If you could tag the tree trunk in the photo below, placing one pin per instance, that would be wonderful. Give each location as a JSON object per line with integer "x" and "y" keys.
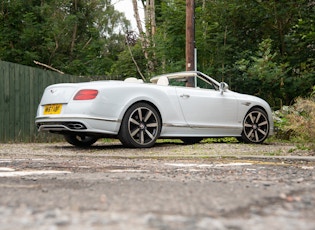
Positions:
{"x": 137, "y": 17}
{"x": 151, "y": 17}
{"x": 140, "y": 29}
{"x": 150, "y": 31}
{"x": 146, "y": 37}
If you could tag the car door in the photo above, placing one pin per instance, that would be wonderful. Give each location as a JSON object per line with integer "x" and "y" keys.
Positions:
{"x": 209, "y": 110}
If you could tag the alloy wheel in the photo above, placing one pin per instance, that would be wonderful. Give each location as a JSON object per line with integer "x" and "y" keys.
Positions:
{"x": 256, "y": 126}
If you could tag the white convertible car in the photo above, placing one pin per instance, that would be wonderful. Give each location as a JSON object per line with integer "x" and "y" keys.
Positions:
{"x": 186, "y": 105}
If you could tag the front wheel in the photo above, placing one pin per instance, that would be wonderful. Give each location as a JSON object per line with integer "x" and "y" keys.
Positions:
{"x": 80, "y": 140}
{"x": 255, "y": 126}
{"x": 140, "y": 127}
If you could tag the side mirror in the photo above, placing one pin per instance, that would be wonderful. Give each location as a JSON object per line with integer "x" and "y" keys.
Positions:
{"x": 223, "y": 87}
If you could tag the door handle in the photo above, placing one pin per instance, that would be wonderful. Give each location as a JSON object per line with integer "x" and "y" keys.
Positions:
{"x": 185, "y": 96}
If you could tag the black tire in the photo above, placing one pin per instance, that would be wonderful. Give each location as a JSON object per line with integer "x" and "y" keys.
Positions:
{"x": 255, "y": 126}
{"x": 240, "y": 139}
{"x": 191, "y": 140}
{"x": 140, "y": 127}
{"x": 80, "y": 140}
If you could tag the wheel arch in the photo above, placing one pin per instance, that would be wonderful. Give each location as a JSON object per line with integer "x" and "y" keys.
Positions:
{"x": 134, "y": 132}
{"x": 147, "y": 102}
{"x": 268, "y": 113}
{"x": 257, "y": 107}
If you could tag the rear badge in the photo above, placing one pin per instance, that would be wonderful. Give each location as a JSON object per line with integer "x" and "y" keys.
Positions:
{"x": 53, "y": 91}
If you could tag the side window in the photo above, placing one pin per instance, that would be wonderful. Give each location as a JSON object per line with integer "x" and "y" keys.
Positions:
{"x": 183, "y": 81}
{"x": 177, "y": 82}
{"x": 193, "y": 81}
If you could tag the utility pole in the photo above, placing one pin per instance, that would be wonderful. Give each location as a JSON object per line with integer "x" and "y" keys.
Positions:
{"x": 190, "y": 35}
{"x": 190, "y": 38}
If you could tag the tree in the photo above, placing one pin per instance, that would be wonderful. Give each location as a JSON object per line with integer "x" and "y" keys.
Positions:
{"x": 265, "y": 74}
{"x": 89, "y": 37}
{"x": 228, "y": 31}
{"x": 170, "y": 38}
{"x": 77, "y": 36}
{"x": 147, "y": 36}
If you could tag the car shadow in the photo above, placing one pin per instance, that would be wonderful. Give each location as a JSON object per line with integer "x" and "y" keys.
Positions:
{"x": 161, "y": 143}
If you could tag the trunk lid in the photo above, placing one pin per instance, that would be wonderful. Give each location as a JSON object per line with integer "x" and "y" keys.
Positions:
{"x": 59, "y": 94}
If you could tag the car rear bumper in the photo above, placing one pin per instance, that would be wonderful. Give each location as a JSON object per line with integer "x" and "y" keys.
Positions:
{"x": 77, "y": 124}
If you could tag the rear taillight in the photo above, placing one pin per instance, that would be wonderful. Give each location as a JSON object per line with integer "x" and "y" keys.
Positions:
{"x": 86, "y": 94}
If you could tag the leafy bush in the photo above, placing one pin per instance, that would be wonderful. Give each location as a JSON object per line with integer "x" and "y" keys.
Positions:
{"x": 297, "y": 122}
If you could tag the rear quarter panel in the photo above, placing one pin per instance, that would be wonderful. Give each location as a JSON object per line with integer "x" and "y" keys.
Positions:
{"x": 115, "y": 99}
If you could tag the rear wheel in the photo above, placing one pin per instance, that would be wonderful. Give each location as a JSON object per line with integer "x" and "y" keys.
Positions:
{"x": 80, "y": 140}
{"x": 255, "y": 126}
{"x": 140, "y": 127}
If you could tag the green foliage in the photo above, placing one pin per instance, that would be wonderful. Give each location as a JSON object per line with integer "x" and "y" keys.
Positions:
{"x": 266, "y": 72}
{"x": 76, "y": 36}
{"x": 297, "y": 122}
{"x": 125, "y": 67}
{"x": 170, "y": 37}
{"x": 220, "y": 140}
{"x": 265, "y": 48}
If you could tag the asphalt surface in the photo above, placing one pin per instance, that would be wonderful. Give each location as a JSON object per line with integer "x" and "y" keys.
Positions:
{"x": 171, "y": 186}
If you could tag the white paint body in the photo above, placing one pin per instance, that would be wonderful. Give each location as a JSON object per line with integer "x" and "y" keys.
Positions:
{"x": 184, "y": 111}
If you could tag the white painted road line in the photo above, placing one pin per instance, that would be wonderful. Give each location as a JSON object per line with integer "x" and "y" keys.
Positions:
{"x": 128, "y": 171}
{"x": 5, "y": 169}
{"x": 30, "y": 173}
{"x": 207, "y": 165}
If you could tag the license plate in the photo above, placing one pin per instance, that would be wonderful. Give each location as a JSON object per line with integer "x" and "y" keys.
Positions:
{"x": 52, "y": 109}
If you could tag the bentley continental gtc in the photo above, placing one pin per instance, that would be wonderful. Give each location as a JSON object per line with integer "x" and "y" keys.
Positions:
{"x": 186, "y": 105}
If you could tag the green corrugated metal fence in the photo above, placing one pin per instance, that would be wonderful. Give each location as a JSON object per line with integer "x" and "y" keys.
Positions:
{"x": 21, "y": 88}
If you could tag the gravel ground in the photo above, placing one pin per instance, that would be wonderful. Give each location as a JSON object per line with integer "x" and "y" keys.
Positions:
{"x": 171, "y": 186}
{"x": 164, "y": 149}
